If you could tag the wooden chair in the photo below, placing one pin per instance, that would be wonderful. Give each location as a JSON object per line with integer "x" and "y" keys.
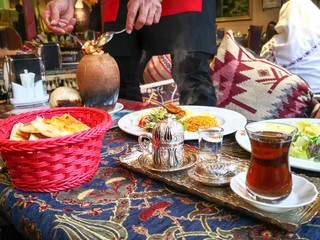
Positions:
{"x": 220, "y": 33}
{"x": 254, "y": 38}
{"x": 10, "y": 38}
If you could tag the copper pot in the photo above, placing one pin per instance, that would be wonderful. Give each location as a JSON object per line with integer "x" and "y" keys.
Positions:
{"x": 98, "y": 78}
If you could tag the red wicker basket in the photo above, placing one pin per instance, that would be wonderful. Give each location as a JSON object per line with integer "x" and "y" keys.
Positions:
{"x": 54, "y": 164}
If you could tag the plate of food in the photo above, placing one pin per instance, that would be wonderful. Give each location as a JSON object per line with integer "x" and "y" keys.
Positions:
{"x": 191, "y": 117}
{"x": 305, "y": 149}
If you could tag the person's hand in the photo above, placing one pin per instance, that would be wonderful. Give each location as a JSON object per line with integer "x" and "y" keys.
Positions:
{"x": 316, "y": 110}
{"x": 58, "y": 16}
{"x": 142, "y": 12}
{"x": 5, "y": 52}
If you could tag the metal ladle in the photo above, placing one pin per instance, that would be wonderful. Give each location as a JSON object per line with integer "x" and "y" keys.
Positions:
{"x": 72, "y": 36}
{"x": 106, "y": 37}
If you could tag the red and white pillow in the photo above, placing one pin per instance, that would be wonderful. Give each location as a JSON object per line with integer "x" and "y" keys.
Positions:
{"x": 159, "y": 86}
{"x": 158, "y": 68}
{"x": 256, "y": 87}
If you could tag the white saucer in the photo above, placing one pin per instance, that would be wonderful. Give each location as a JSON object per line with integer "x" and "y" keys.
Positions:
{"x": 303, "y": 193}
{"x": 118, "y": 107}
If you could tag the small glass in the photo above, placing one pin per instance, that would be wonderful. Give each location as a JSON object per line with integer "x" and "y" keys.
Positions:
{"x": 210, "y": 143}
{"x": 213, "y": 169}
{"x": 269, "y": 175}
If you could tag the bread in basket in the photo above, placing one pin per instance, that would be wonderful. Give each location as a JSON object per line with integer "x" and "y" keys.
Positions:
{"x": 54, "y": 164}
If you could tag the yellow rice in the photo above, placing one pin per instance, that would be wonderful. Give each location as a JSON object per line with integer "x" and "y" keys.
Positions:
{"x": 193, "y": 123}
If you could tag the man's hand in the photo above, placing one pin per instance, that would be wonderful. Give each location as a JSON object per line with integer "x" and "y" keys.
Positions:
{"x": 58, "y": 16}
{"x": 143, "y": 12}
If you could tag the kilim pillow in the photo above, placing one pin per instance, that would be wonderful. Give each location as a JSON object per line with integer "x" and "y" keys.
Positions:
{"x": 157, "y": 69}
{"x": 256, "y": 87}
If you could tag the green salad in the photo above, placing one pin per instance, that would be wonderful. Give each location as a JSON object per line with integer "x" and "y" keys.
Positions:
{"x": 306, "y": 144}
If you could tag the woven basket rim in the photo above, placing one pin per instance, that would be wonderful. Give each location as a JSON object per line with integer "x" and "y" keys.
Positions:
{"x": 55, "y": 164}
{"x": 104, "y": 125}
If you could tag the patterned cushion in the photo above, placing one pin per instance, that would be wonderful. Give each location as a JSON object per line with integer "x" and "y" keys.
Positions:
{"x": 256, "y": 87}
{"x": 157, "y": 69}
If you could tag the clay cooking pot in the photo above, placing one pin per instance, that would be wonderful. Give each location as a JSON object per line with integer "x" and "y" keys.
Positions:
{"x": 98, "y": 78}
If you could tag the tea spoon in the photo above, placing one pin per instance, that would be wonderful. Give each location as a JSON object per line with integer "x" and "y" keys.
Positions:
{"x": 72, "y": 36}
{"x": 106, "y": 37}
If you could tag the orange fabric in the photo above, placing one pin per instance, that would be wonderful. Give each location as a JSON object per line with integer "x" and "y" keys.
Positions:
{"x": 169, "y": 7}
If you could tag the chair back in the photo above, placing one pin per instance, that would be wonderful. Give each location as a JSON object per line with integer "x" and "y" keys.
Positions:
{"x": 10, "y": 38}
{"x": 220, "y": 33}
{"x": 270, "y": 32}
{"x": 254, "y": 38}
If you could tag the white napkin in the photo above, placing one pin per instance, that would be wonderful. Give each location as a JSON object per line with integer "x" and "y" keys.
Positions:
{"x": 27, "y": 79}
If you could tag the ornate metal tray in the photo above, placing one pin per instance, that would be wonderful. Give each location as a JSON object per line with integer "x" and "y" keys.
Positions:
{"x": 224, "y": 196}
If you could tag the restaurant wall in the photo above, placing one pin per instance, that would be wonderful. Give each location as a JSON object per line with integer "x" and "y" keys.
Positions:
{"x": 259, "y": 17}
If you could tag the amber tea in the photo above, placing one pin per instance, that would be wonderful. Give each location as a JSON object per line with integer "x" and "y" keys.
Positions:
{"x": 269, "y": 175}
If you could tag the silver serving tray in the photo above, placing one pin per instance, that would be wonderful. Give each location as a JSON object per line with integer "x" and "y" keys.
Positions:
{"x": 225, "y": 197}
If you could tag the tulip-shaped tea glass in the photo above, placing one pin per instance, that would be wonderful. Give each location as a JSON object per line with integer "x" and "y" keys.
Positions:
{"x": 269, "y": 176}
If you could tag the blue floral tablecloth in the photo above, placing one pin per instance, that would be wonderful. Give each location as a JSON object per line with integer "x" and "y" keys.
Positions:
{"x": 120, "y": 204}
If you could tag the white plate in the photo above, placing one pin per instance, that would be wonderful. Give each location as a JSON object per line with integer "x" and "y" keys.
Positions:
{"x": 303, "y": 193}
{"x": 118, "y": 107}
{"x": 69, "y": 63}
{"x": 243, "y": 140}
{"x": 229, "y": 120}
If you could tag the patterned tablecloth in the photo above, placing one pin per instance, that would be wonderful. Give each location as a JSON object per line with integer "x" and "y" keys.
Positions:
{"x": 121, "y": 204}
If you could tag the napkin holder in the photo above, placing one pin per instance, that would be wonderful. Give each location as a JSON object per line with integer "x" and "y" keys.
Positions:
{"x": 19, "y": 68}
{"x": 50, "y": 54}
